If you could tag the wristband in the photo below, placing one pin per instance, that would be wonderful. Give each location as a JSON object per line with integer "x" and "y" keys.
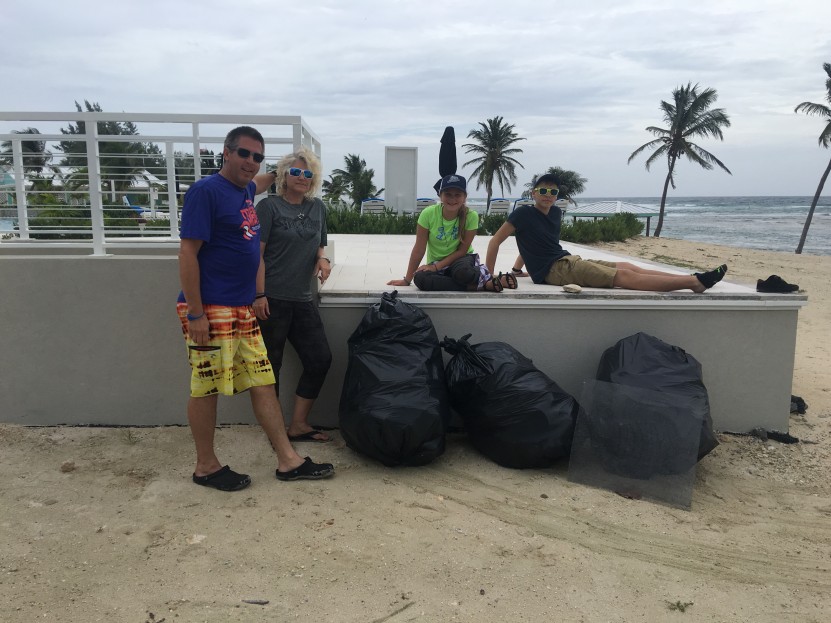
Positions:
{"x": 323, "y": 257}
{"x": 195, "y": 317}
{"x": 260, "y": 296}
{"x": 407, "y": 281}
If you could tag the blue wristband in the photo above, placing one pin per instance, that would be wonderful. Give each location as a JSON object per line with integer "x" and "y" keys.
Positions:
{"x": 196, "y": 317}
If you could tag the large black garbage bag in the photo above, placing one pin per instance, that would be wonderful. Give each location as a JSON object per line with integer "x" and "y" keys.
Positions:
{"x": 513, "y": 413}
{"x": 394, "y": 405}
{"x": 646, "y": 362}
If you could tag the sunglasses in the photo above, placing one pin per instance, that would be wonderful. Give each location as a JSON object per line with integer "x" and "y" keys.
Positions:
{"x": 548, "y": 191}
{"x": 295, "y": 172}
{"x": 244, "y": 153}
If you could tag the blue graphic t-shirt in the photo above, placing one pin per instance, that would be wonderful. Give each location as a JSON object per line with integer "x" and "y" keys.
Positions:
{"x": 222, "y": 215}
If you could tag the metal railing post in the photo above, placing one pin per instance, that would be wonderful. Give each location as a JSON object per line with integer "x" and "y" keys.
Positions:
{"x": 197, "y": 154}
{"x": 20, "y": 190}
{"x": 172, "y": 204}
{"x": 96, "y": 206}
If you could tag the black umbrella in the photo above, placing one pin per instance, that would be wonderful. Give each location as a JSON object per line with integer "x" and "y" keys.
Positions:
{"x": 447, "y": 155}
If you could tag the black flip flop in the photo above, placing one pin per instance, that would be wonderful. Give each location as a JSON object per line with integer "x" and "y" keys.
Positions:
{"x": 224, "y": 479}
{"x": 310, "y": 436}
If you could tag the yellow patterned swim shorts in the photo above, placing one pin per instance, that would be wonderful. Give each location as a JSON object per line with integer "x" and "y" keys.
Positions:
{"x": 235, "y": 357}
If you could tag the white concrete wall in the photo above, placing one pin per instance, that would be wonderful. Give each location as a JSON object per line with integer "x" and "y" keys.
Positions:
{"x": 96, "y": 340}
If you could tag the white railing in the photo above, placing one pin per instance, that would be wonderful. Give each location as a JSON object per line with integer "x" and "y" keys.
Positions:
{"x": 76, "y": 179}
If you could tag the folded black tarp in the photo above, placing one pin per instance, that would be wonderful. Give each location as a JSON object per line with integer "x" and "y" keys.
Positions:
{"x": 394, "y": 405}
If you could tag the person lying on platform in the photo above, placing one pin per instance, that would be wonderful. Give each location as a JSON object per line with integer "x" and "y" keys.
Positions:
{"x": 537, "y": 230}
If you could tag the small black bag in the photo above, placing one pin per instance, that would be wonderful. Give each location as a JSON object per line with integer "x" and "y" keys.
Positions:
{"x": 644, "y": 361}
{"x": 513, "y": 413}
{"x": 394, "y": 405}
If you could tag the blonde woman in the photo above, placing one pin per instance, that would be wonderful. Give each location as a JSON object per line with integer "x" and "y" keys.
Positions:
{"x": 292, "y": 240}
{"x": 445, "y": 232}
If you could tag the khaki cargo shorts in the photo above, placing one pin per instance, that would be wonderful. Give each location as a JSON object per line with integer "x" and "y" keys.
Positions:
{"x": 589, "y": 273}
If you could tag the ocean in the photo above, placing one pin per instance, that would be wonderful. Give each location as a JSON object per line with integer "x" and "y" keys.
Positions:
{"x": 767, "y": 223}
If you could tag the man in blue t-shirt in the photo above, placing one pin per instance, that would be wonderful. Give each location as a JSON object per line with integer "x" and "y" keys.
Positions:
{"x": 537, "y": 230}
{"x": 219, "y": 259}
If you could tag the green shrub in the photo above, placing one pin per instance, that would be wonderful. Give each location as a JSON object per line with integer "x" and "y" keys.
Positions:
{"x": 614, "y": 228}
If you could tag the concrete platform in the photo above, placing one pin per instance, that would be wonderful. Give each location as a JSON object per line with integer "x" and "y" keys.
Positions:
{"x": 95, "y": 340}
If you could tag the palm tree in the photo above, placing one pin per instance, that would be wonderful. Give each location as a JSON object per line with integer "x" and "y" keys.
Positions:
{"x": 820, "y": 110}
{"x": 571, "y": 183}
{"x": 357, "y": 179}
{"x": 35, "y": 155}
{"x": 334, "y": 190}
{"x": 119, "y": 162}
{"x": 494, "y": 159}
{"x": 688, "y": 117}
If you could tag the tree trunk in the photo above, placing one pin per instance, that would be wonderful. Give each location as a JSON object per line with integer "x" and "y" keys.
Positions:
{"x": 813, "y": 206}
{"x": 488, "y": 204}
{"x": 660, "y": 224}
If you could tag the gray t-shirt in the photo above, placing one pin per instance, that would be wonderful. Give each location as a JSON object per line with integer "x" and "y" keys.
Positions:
{"x": 292, "y": 235}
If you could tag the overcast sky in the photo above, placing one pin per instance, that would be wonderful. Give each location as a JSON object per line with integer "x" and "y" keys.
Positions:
{"x": 579, "y": 80}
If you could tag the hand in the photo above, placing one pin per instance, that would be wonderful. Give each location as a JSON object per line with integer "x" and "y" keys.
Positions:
{"x": 398, "y": 282}
{"x": 428, "y": 267}
{"x": 260, "y": 306}
{"x": 199, "y": 330}
{"x": 324, "y": 269}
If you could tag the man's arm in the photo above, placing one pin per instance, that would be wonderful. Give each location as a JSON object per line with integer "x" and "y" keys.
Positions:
{"x": 265, "y": 180}
{"x": 198, "y": 328}
{"x": 493, "y": 246}
{"x": 260, "y": 305}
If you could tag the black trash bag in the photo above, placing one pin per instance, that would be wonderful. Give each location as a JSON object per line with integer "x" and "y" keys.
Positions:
{"x": 394, "y": 405}
{"x": 513, "y": 413}
{"x": 644, "y": 361}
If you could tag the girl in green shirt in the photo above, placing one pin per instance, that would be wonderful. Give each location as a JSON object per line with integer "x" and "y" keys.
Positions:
{"x": 445, "y": 232}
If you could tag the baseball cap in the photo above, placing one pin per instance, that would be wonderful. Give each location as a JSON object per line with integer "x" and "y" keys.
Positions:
{"x": 453, "y": 181}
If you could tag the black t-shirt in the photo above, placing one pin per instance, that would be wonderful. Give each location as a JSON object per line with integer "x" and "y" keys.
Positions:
{"x": 538, "y": 239}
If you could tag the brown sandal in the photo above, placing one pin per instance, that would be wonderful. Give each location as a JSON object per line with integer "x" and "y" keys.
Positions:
{"x": 510, "y": 280}
{"x": 495, "y": 283}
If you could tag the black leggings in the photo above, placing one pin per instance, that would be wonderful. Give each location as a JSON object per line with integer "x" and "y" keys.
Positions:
{"x": 300, "y": 323}
{"x": 458, "y": 277}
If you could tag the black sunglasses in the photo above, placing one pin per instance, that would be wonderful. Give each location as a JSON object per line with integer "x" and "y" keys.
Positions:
{"x": 244, "y": 153}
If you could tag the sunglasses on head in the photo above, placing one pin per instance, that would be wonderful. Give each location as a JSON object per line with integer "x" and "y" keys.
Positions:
{"x": 548, "y": 191}
{"x": 295, "y": 172}
{"x": 244, "y": 153}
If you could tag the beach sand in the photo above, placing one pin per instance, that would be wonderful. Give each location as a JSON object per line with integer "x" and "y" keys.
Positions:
{"x": 104, "y": 524}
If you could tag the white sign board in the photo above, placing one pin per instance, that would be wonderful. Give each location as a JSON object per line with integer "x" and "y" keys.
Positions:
{"x": 400, "y": 178}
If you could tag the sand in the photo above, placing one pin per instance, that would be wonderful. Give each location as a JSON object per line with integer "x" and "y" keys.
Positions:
{"x": 104, "y": 525}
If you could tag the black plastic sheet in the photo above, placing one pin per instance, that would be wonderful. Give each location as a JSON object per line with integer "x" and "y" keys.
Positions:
{"x": 513, "y": 413}
{"x": 644, "y": 361}
{"x": 636, "y": 457}
{"x": 394, "y": 405}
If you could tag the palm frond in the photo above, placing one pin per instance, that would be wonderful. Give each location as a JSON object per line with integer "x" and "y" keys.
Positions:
{"x": 817, "y": 110}
{"x": 649, "y": 145}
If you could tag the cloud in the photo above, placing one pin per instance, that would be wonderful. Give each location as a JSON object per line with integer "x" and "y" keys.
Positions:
{"x": 579, "y": 82}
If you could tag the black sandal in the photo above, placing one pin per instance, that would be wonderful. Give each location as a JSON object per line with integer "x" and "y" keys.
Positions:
{"x": 308, "y": 470}
{"x": 510, "y": 280}
{"x": 496, "y": 284}
{"x": 224, "y": 479}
